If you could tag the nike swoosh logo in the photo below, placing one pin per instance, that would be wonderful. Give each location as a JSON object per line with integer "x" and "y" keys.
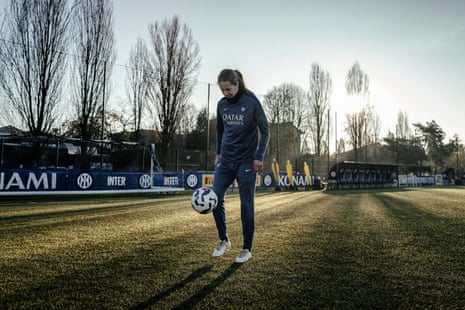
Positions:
{"x": 248, "y": 170}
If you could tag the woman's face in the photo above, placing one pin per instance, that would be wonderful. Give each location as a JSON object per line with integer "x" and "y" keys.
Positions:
{"x": 229, "y": 90}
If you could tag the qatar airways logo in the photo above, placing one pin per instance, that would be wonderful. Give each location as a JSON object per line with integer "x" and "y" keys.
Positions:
{"x": 233, "y": 119}
{"x": 30, "y": 181}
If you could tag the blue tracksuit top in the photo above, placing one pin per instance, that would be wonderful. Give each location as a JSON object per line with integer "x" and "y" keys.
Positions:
{"x": 237, "y": 126}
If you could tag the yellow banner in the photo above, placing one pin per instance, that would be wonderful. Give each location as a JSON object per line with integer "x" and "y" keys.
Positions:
{"x": 289, "y": 172}
{"x": 307, "y": 173}
{"x": 275, "y": 168}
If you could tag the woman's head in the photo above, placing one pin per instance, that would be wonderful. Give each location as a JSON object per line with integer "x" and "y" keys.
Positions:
{"x": 230, "y": 82}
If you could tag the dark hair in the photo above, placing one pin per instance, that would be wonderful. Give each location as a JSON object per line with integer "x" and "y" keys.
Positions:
{"x": 232, "y": 76}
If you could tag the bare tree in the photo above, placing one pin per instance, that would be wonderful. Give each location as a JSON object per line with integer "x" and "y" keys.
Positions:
{"x": 363, "y": 128}
{"x": 294, "y": 105}
{"x": 272, "y": 104}
{"x": 285, "y": 105}
{"x": 319, "y": 96}
{"x": 175, "y": 62}
{"x": 33, "y": 61}
{"x": 357, "y": 83}
{"x": 341, "y": 146}
{"x": 94, "y": 41}
{"x": 188, "y": 122}
{"x": 403, "y": 130}
{"x": 355, "y": 128}
{"x": 138, "y": 85}
{"x": 374, "y": 125}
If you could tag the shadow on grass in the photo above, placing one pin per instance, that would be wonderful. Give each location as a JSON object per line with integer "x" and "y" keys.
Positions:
{"x": 66, "y": 213}
{"x": 443, "y": 233}
{"x": 157, "y": 298}
{"x": 37, "y": 214}
{"x": 207, "y": 289}
{"x": 433, "y": 253}
{"x": 71, "y": 198}
{"x": 358, "y": 191}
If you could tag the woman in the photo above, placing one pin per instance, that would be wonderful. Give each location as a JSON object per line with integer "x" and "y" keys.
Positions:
{"x": 239, "y": 155}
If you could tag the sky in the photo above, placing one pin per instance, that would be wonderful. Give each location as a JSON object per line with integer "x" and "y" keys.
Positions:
{"x": 413, "y": 51}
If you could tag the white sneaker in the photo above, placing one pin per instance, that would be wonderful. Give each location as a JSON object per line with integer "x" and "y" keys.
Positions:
{"x": 243, "y": 256}
{"x": 222, "y": 246}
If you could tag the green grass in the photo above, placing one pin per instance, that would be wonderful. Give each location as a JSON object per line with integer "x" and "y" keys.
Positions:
{"x": 333, "y": 249}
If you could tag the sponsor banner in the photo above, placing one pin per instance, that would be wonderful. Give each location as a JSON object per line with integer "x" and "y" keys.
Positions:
{"x": 168, "y": 179}
{"x": 71, "y": 180}
{"x": 413, "y": 180}
{"x": 207, "y": 180}
{"x": 62, "y": 180}
{"x": 298, "y": 180}
{"x": 32, "y": 180}
{"x": 195, "y": 180}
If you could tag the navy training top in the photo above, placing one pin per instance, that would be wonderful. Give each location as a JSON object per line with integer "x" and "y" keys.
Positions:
{"x": 237, "y": 127}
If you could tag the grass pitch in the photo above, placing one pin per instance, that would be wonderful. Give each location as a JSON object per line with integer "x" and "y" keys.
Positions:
{"x": 332, "y": 249}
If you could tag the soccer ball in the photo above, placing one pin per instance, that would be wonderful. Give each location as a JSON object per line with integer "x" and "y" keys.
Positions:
{"x": 204, "y": 200}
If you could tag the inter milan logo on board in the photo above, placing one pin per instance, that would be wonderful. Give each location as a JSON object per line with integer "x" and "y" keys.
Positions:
{"x": 145, "y": 181}
{"x": 84, "y": 181}
{"x": 192, "y": 180}
{"x": 267, "y": 180}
